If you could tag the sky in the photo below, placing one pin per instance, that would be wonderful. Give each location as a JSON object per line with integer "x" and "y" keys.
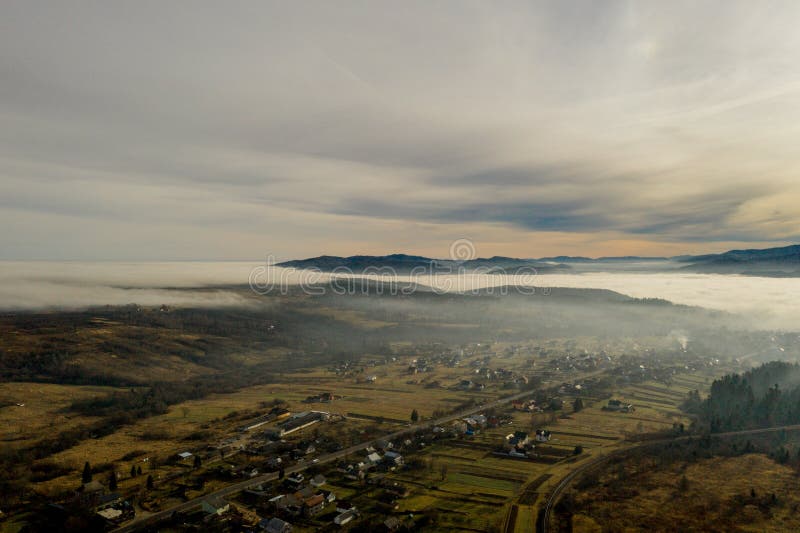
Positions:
{"x": 149, "y": 130}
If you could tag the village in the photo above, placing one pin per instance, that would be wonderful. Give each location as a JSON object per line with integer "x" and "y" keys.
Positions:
{"x": 318, "y": 460}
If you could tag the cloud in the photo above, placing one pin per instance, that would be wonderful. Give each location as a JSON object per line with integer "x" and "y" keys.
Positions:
{"x": 210, "y": 131}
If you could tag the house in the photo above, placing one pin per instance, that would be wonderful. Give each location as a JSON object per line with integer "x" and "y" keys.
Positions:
{"x": 396, "y": 489}
{"x": 517, "y": 440}
{"x": 542, "y": 435}
{"x": 275, "y": 525}
{"x": 373, "y": 459}
{"x": 314, "y": 505}
{"x": 305, "y": 448}
{"x": 90, "y": 493}
{"x": 184, "y": 455}
{"x": 109, "y": 500}
{"x": 286, "y": 502}
{"x": 618, "y": 406}
{"x": 479, "y": 419}
{"x": 327, "y": 397}
{"x": 295, "y": 479}
{"x": 393, "y": 458}
{"x": 344, "y": 518}
{"x": 317, "y": 481}
{"x": 245, "y": 470}
{"x": 329, "y": 495}
{"x": 215, "y": 506}
{"x": 524, "y": 405}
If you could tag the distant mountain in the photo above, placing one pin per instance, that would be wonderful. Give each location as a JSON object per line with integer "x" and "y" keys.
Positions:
{"x": 580, "y": 259}
{"x": 778, "y": 262}
{"x": 359, "y": 263}
{"x": 404, "y": 264}
{"x": 566, "y": 259}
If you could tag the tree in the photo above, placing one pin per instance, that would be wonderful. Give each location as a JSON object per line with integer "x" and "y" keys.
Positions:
{"x": 185, "y": 411}
{"x": 443, "y": 470}
{"x": 133, "y": 470}
{"x": 414, "y": 415}
{"x": 87, "y": 473}
{"x": 138, "y": 470}
{"x": 197, "y": 461}
{"x": 683, "y": 486}
{"x": 578, "y": 450}
{"x": 577, "y": 405}
{"x": 149, "y": 482}
{"x": 112, "y": 481}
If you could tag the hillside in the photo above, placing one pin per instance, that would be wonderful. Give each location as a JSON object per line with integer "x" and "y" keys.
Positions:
{"x": 779, "y": 262}
{"x": 407, "y": 264}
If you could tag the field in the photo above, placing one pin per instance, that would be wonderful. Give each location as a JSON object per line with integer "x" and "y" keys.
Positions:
{"x": 468, "y": 486}
{"x": 386, "y": 404}
{"x": 36, "y": 410}
{"x": 719, "y": 494}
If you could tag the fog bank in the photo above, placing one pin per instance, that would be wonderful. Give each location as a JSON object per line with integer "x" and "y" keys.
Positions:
{"x": 767, "y": 302}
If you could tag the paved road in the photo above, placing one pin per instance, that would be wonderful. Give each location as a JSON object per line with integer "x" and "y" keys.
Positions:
{"x": 543, "y": 525}
{"x": 252, "y": 482}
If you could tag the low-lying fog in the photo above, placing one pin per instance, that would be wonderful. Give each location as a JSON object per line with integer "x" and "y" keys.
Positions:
{"x": 768, "y": 302}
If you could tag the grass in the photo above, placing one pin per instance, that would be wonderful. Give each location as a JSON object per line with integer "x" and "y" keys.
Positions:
{"x": 43, "y": 413}
{"x": 715, "y": 497}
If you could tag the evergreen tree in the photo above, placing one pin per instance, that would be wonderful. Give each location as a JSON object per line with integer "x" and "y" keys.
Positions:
{"x": 87, "y": 473}
{"x": 414, "y": 415}
{"x": 112, "y": 481}
{"x": 149, "y": 482}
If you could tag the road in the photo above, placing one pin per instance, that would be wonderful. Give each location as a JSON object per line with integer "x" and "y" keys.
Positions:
{"x": 230, "y": 490}
{"x": 543, "y": 525}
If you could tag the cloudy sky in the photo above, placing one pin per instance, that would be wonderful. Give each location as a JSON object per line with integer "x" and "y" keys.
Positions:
{"x": 232, "y": 130}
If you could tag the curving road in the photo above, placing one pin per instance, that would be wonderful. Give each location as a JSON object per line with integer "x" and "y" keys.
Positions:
{"x": 543, "y": 524}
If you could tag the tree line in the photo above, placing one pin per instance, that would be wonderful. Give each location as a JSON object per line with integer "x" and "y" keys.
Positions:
{"x": 765, "y": 396}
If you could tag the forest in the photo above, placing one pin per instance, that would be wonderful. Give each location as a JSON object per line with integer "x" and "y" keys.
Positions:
{"x": 766, "y": 396}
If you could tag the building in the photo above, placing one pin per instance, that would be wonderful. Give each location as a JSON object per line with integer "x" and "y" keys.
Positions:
{"x": 275, "y": 525}
{"x": 344, "y": 518}
{"x": 215, "y": 506}
{"x": 519, "y": 440}
{"x": 295, "y": 480}
{"x": 542, "y": 435}
{"x": 314, "y": 505}
{"x": 619, "y": 406}
{"x": 393, "y": 458}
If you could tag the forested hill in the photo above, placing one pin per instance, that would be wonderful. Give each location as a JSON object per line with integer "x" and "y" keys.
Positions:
{"x": 763, "y": 397}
